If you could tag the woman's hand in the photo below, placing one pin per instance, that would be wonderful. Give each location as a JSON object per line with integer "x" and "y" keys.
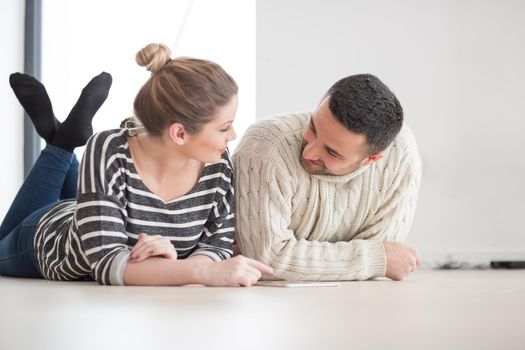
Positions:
{"x": 148, "y": 246}
{"x": 237, "y": 271}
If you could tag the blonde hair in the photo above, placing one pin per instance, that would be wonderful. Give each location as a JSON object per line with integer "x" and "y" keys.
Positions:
{"x": 181, "y": 90}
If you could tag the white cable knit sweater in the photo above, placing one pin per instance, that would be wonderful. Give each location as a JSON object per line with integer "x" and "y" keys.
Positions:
{"x": 320, "y": 227}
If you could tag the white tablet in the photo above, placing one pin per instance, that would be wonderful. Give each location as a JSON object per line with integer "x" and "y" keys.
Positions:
{"x": 295, "y": 284}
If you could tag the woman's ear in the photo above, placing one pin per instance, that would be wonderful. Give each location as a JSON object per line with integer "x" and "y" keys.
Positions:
{"x": 177, "y": 133}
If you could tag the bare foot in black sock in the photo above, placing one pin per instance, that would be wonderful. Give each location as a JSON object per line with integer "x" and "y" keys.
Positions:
{"x": 33, "y": 97}
{"x": 77, "y": 129}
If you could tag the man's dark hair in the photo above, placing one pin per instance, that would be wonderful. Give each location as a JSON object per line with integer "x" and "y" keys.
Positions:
{"x": 364, "y": 105}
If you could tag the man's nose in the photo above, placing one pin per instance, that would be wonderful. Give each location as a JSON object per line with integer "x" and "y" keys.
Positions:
{"x": 311, "y": 151}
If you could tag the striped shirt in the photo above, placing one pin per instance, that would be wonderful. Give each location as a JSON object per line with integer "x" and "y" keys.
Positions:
{"x": 91, "y": 237}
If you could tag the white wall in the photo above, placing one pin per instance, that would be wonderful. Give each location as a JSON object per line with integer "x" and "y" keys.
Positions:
{"x": 457, "y": 68}
{"x": 11, "y": 60}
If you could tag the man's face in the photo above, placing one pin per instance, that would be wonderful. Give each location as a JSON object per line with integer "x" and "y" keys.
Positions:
{"x": 331, "y": 149}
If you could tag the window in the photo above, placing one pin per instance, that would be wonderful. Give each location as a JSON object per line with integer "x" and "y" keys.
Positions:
{"x": 82, "y": 38}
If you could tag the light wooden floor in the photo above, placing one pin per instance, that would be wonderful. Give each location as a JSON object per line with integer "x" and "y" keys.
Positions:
{"x": 430, "y": 310}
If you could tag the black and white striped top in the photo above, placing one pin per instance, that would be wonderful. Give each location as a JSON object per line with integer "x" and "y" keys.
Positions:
{"x": 92, "y": 236}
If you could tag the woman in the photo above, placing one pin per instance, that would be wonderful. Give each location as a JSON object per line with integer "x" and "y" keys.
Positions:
{"x": 154, "y": 204}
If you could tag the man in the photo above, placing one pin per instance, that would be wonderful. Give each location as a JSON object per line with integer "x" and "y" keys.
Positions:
{"x": 329, "y": 195}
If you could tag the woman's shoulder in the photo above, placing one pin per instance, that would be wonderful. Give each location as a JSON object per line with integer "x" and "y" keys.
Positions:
{"x": 117, "y": 135}
{"x": 226, "y": 164}
{"x": 108, "y": 139}
{"x": 223, "y": 166}
{"x": 105, "y": 148}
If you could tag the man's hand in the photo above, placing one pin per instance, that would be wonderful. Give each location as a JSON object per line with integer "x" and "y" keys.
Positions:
{"x": 401, "y": 260}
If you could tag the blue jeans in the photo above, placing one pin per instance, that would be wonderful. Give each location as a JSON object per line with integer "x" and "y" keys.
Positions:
{"x": 52, "y": 178}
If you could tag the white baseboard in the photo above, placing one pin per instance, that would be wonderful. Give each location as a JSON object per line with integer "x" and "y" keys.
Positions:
{"x": 470, "y": 257}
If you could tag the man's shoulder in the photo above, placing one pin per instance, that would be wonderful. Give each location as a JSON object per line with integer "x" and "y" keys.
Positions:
{"x": 403, "y": 152}
{"x": 273, "y": 134}
{"x": 406, "y": 138}
{"x": 405, "y": 142}
{"x": 279, "y": 125}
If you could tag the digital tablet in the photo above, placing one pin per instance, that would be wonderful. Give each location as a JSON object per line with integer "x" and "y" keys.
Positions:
{"x": 295, "y": 284}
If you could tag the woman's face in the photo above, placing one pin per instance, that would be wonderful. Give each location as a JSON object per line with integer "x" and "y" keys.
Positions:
{"x": 208, "y": 144}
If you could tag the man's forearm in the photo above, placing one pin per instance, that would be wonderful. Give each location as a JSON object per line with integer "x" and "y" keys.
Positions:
{"x": 315, "y": 260}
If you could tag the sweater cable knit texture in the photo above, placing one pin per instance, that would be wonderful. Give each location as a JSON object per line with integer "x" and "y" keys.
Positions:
{"x": 320, "y": 227}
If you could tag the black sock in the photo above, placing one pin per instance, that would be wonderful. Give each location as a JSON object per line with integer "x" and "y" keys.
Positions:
{"x": 77, "y": 129}
{"x": 33, "y": 97}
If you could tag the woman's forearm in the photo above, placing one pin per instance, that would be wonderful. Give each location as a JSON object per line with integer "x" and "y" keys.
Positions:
{"x": 157, "y": 271}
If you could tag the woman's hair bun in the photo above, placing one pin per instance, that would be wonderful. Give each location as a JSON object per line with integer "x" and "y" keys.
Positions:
{"x": 153, "y": 57}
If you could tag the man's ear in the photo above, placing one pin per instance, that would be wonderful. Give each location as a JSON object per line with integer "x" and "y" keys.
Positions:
{"x": 372, "y": 158}
{"x": 177, "y": 133}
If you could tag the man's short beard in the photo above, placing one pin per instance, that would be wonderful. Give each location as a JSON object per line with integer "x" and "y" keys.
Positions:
{"x": 323, "y": 170}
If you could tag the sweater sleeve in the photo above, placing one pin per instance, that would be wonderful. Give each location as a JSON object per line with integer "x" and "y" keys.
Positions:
{"x": 264, "y": 197}
{"x": 100, "y": 214}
